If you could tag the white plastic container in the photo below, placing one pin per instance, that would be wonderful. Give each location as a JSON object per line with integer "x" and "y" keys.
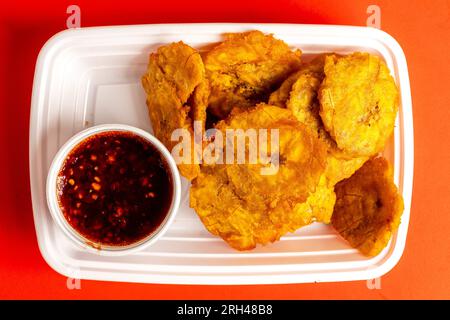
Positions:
{"x": 92, "y": 76}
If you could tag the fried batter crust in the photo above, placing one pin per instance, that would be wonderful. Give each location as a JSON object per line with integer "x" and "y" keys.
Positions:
{"x": 245, "y": 68}
{"x": 368, "y": 207}
{"x": 244, "y": 207}
{"x": 359, "y": 102}
{"x": 175, "y": 73}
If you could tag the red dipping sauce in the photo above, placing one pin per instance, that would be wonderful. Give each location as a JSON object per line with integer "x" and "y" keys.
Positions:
{"x": 115, "y": 188}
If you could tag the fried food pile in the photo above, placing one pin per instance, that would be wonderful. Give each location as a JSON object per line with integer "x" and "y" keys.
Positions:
{"x": 331, "y": 118}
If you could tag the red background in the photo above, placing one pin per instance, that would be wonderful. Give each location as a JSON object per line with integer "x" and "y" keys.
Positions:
{"x": 421, "y": 27}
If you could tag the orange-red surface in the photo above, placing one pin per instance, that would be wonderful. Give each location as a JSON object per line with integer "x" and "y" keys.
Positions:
{"x": 421, "y": 27}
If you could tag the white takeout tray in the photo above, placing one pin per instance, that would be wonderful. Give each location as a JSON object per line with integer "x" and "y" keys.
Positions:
{"x": 92, "y": 76}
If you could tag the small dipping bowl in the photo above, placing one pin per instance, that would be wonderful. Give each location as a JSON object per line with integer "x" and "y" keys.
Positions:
{"x": 57, "y": 184}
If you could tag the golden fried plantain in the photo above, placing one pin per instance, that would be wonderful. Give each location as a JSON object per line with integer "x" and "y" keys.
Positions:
{"x": 175, "y": 75}
{"x": 368, "y": 207}
{"x": 244, "y": 207}
{"x": 358, "y": 102}
{"x": 245, "y": 68}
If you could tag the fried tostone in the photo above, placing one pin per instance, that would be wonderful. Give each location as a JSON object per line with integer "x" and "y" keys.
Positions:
{"x": 359, "y": 102}
{"x": 368, "y": 207}
{"x": 245, "y": 68}
{"x": 245, "y": 207}
{"x": 176, "y": 75}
